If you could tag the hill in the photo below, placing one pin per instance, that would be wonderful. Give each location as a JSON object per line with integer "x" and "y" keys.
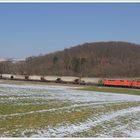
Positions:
{"x": 99, "y": 59}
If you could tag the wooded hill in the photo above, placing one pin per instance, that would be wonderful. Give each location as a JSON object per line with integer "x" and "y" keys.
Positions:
{"x": 99, "y": 59}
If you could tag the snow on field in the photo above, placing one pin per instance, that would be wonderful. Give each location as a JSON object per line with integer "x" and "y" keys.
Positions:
{"x": 42, "y": 94}
{"x": 64, "y": 93}
{"x": 69, "y": 129}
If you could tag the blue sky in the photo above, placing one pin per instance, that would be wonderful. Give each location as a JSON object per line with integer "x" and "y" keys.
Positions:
{"x": 33, "y": 29}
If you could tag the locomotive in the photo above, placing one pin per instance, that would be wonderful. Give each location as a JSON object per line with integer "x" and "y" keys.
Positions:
{"x": 121, "y": 83}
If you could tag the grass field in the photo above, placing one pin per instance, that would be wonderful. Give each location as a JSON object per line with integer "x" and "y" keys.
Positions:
{"x": 112, "y": 90}
{"x": 28, "y": 110}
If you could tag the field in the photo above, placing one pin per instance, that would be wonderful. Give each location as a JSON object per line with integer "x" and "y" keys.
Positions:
{"x": 64, "y": 111}
{"x": 133, "y": 91}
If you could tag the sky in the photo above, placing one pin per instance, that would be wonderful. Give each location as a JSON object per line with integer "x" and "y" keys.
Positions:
{"x": 30, "y": 29}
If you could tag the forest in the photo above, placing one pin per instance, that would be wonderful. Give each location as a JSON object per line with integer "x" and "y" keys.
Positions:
{"x": 98, "y": 59}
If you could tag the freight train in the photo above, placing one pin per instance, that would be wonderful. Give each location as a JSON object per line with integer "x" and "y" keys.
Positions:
{"x": 122, "y": 83}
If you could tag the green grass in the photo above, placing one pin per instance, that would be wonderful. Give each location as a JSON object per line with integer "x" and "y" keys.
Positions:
{"x": 17, "y": 108}
{"x": 45, "y": 119}
{"x": 13, "y": 126}
{"x": 129, "y": 121}
{"x": 112, "y": 90}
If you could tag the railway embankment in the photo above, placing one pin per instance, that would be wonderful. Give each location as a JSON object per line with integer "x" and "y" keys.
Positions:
{"x": 84, "y": 83}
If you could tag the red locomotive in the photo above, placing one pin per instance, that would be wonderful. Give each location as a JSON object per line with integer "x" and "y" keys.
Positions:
{"x": 136, "y": 84}
{"x": 122, "y": 83}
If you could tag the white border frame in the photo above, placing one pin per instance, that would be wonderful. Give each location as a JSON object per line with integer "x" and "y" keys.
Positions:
{"x": 70, "y": 1}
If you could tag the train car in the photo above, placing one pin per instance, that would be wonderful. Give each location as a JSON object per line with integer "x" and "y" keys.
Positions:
{"x": 119, "y": 83}
{"x": 136, "y": 84}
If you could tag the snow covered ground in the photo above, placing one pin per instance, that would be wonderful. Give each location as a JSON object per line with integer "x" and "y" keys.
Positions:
{"x": 62, "y": 111}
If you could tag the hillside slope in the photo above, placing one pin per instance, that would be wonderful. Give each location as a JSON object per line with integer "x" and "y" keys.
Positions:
{"x": 99, "y": 59}
{"x": 107, "y": 59}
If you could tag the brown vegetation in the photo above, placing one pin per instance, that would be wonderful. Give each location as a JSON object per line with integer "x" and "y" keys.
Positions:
{"x": 101, "y": 59}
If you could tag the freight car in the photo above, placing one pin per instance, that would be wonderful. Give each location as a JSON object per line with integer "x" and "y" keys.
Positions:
{"x": 122, "y": 83}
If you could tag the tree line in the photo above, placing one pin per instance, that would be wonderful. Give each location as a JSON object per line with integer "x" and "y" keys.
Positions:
{"x": 99, "y": 59}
